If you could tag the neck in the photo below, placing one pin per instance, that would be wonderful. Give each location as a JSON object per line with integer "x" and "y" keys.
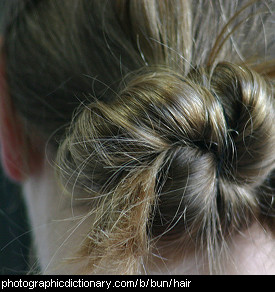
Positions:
{"x": 58, "y": 224}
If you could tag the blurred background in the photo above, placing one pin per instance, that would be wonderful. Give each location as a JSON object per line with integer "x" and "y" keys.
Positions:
{"x": 14, "y": 230}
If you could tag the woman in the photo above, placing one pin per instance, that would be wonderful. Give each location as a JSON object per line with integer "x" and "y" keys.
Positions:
{"x": 142, "y": 133}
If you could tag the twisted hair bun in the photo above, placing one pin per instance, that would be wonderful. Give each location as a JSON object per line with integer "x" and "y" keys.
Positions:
{"x": 172, "y": 157}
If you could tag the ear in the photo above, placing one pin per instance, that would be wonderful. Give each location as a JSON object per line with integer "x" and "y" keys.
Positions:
{"x": 18, "y": 157}
{"x": 10, "y": 133}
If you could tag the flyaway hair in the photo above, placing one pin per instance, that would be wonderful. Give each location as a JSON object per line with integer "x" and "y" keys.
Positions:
{"x": 159, "y": 114}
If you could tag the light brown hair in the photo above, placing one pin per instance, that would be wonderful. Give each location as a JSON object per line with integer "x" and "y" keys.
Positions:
{"x": 161, "y": 112}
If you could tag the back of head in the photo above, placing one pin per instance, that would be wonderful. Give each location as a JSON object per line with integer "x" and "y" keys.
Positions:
{"x": 163, "y": 116}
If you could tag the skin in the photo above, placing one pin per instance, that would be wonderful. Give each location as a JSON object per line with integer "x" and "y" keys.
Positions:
{"x": 58, "y": 223}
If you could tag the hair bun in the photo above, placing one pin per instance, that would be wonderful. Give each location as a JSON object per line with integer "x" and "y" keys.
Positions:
{"x": 195, "y": 148}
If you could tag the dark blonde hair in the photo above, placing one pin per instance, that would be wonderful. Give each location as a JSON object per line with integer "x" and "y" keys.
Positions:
{"x": 162, "y": 114}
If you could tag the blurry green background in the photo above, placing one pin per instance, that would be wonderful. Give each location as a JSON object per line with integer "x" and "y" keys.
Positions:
{"x": 14, "y": 230}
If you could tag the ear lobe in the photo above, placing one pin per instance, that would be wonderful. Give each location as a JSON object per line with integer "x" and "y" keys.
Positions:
{"x": 11, "y": 153}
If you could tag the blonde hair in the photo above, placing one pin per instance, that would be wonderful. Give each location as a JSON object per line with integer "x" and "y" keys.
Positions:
{"x": 180, "y": 156}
